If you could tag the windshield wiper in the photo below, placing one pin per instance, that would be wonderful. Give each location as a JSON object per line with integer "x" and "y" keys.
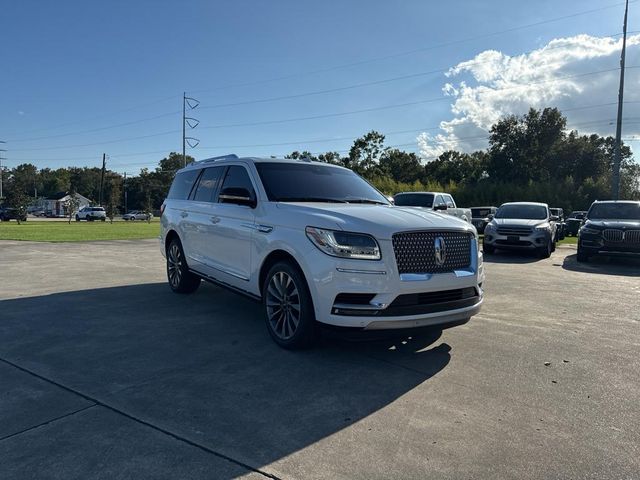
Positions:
{"x": 364, "y": 200}
{"x": 310, "y": 199}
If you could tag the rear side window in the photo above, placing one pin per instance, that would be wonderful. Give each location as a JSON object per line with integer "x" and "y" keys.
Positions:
{"x": 208, "y": 184}
{"x": 237, "y": 177}
{"x": 449, "y": 201}
{"x": 439, "y": 201}
{"x": 182, "y": 185}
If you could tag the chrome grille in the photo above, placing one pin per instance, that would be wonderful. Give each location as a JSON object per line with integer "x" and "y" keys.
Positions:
{"x": 514, "y": 230}
{"x": 618, "y": 236}
{"x": 415, "y": 251}
{"x": 611, "y": 235}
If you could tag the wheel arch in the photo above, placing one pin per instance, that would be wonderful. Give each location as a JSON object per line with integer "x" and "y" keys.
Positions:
{"x": 273, "y": 258}
{"x": 171, "y": 234}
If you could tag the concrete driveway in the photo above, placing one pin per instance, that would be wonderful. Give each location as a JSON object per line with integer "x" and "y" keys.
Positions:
{"x": 107, "y": 374}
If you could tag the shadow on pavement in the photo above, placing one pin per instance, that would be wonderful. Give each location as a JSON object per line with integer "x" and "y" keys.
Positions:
{"x": 625, "y": 265}
{"x": 203, "y": 366}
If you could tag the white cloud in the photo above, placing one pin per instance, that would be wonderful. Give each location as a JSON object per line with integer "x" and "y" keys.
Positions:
{"x": 560, "y": 74}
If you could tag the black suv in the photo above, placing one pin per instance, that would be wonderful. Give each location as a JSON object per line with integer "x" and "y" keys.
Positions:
{"x": 574, "y": 222}
{"x": 481, "y": 216}
{"x": 610, "y": 227}
{"x": 7, "y": 214}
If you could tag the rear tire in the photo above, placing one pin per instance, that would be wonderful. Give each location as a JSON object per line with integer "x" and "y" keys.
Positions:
{"x": 181, "y": 280}
{"x": 288, "y": 307}
{"x": 77, "y": 218}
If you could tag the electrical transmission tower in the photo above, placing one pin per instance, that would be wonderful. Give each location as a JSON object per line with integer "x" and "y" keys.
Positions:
{"x": 191, "y": 103}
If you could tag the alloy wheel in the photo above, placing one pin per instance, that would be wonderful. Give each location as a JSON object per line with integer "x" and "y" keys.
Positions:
{"x": 283, "y": 305}
{"x": 174, "y": 265}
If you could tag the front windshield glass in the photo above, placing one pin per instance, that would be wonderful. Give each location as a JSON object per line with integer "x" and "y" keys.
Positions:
{"x": 413, "y": 200}
{"x": 524, "y": 212}
{"x": 618, "y": 211}
{"x": 312, "y": 182}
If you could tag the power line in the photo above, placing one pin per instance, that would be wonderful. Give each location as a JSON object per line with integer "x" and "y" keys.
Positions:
{"x": 410, "y": 52}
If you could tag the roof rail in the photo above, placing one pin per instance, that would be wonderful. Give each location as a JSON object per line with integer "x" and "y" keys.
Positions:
{"x": 231, "y": 156}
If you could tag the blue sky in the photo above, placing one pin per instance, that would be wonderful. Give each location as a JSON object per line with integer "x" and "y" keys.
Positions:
{"x": 74, "y": 70}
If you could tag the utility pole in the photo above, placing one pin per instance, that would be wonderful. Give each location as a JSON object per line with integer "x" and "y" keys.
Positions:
{"x": 191, "y": 122}
{"x": 615, "y": 175}
{"x": 1, "y": 158}
{"x": 104, "y": 164}
{"x": 124, "y": 188}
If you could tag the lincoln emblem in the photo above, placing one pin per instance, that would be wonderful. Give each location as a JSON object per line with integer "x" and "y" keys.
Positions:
{"x": 440, "y": 251}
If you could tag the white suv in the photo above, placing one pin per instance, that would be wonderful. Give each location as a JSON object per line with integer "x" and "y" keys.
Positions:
{"x": 317, "y": 244}
{"x": 91, "y": 213}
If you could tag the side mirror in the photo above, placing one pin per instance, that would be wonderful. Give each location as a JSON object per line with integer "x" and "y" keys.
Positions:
{"x": 440, "y": 206}
{"x": 554, "y": 218}
{"x": 237, "y": 195}
{"x": 490, "y": 216}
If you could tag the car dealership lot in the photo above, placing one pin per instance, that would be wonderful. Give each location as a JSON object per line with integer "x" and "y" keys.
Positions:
{"x": 106, "y": 373}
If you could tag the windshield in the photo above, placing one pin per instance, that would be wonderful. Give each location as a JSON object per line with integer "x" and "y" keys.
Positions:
{"x": 300, "y": 182}
{"x": 525, "y": 212}
{"x": 619, "y": 211}
{"x": 414, "y": 200}
{"x": 480, "y": 212}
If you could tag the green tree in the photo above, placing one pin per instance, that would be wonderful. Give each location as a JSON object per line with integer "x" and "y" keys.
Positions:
{"x": 72, "y": 204}
{"x": 114, "y": 194}
{"x": 19, "y": 201}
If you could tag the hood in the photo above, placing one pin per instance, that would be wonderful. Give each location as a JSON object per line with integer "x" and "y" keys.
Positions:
{"x": 381, "y": 221}
{"x": 520, "y": 222}
{"x": 613, "y": 223}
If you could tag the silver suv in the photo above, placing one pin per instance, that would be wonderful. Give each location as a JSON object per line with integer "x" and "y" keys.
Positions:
{"x": 522, "y": 226}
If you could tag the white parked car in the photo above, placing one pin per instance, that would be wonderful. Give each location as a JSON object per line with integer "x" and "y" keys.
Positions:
{"x": 91, "y": 213}
{"x": 437, "y": 201}
{"x": 317, "y": 245}
{"x": 137, "y": 215}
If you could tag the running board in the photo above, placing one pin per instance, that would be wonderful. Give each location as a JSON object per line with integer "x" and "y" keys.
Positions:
{"x": 226, "y": 286}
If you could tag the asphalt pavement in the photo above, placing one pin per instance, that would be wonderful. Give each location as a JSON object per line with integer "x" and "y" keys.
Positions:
{"x": 107, "y": 374}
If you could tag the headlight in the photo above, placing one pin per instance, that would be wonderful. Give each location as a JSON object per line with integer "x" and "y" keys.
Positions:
{"x": 344, "y": 244}
{"x": 589, "y": 231}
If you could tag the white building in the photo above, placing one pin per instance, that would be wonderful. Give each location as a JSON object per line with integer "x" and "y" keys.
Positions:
{"x": 56, "y": 205}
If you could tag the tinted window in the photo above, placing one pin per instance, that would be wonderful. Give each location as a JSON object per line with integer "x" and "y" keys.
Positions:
{"x": 480, "y": 212}
{"x": 524, "y": 212}
{"x": 618, "y": 211}
{"x": 207, "y": 184}
{"x": 414, "y": 200}
{"x": 308, "y": 182}
{"x": 237, "y": 177}
{"x": 182, "y": 185}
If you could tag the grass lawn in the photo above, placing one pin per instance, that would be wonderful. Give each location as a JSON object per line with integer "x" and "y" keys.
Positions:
{"x": 43, "y": 231}
{"x": 569, "y": 241}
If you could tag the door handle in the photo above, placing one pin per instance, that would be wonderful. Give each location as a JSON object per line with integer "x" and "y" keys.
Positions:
{"x": 184, "y": 214}
{"x": 215, "y": 220}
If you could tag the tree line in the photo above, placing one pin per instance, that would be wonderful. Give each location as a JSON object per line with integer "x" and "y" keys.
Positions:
{"x": 532, "y": 157}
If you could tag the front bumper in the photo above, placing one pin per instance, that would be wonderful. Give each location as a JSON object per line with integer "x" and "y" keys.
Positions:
{"x": 597, "y": 244}
{"x": 536, "y": 239}
{"x": 329, "y": 277}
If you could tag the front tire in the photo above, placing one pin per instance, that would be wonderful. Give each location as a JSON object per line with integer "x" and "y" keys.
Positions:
{"x": 488, "y": 249}
{"x": 288, "y": 307}
{"x": 582, "y": 255}
{"x": 545, "y": 252}
{"x": 181, "y": 280}
{"x": 77, "y": 218}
